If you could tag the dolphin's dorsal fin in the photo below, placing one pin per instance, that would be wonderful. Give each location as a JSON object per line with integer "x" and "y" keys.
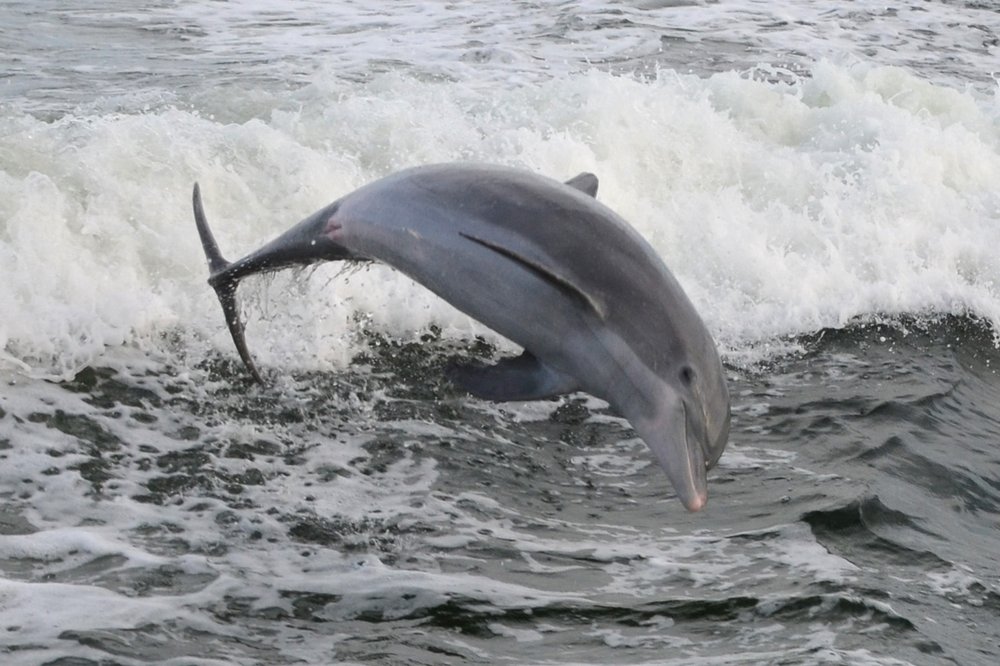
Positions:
{"x": 522, "y": 377}
{"x": 547, "y": 273}
{"x": 585, "y": 182}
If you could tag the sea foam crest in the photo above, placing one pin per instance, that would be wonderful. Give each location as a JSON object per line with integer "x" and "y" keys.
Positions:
{"x": 783, "y": 204}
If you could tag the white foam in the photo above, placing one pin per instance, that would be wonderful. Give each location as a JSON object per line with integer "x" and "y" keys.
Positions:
{"x": 40, "y": 611}
{"x": 781, "y": 207}
{"x": 799, "y": 551}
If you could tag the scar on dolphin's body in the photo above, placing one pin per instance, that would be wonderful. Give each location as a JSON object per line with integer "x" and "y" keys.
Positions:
{"x": 543, "y": 264}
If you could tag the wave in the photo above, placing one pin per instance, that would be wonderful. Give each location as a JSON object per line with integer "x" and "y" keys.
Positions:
{"x": 785, "y": 203}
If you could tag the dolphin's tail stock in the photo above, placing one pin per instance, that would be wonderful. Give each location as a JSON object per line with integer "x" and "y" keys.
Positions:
{"x": 306, "y": 243}
{"x": 224, "y": 280}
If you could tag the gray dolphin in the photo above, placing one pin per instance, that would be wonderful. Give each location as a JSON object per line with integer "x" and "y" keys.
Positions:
{"x": 545, "y": 265}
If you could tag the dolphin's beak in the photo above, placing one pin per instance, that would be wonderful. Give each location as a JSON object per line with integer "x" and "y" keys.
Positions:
{"x": 684, "y": 462}
{"x": 679, "y": 453}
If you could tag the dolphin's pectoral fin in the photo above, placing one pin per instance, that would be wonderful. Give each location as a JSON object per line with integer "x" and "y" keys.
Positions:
{"x": 523, "y": 377}
{"x": 585, "y": 182}
{"x": 547, "y": 273}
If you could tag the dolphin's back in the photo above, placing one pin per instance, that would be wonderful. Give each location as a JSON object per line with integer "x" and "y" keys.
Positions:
{"x": 574, "y": 239}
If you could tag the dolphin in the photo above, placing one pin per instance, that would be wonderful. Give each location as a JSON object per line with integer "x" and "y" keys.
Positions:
{"x": 544, "y": 264}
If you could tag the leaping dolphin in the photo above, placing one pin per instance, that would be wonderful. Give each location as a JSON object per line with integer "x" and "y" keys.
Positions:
{"x": 543, "y": 264}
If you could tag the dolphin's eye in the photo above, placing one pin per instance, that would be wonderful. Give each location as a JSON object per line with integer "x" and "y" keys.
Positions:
{"x": 687, "y": 375}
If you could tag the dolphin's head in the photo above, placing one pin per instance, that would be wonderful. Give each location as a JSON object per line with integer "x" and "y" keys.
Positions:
{"x": 687, "y": 425}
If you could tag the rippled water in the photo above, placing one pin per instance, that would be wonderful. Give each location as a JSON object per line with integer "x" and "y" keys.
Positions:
{"x": 820, "y": 178}
{"x": 371, "y": 514}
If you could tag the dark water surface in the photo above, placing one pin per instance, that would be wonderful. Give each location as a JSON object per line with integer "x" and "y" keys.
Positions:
{"x": 853, "y": 519}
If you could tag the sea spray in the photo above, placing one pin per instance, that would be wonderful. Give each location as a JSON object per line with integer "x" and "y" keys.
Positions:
{"x": 783, "y": 206}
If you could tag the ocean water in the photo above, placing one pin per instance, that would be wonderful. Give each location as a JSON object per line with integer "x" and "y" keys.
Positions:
{"x": 823, "y": 178}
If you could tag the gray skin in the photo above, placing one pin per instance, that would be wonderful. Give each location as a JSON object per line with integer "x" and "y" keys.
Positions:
{"x": 545, "y": 265}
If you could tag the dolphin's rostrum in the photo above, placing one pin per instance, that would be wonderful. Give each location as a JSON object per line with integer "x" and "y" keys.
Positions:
{"x": 547, "y": 266}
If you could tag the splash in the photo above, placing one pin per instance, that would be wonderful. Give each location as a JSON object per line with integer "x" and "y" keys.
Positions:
{"x": 784, "y": 204}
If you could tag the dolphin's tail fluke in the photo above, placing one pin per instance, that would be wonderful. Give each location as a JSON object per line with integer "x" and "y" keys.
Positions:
{"x": 224, "y": 281}
{"x": 215, "y": 261}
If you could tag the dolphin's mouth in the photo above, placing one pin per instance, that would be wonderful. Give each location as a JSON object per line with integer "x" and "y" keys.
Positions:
{"x": 686, "y": 467}
{"x": 697, "y": 495}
